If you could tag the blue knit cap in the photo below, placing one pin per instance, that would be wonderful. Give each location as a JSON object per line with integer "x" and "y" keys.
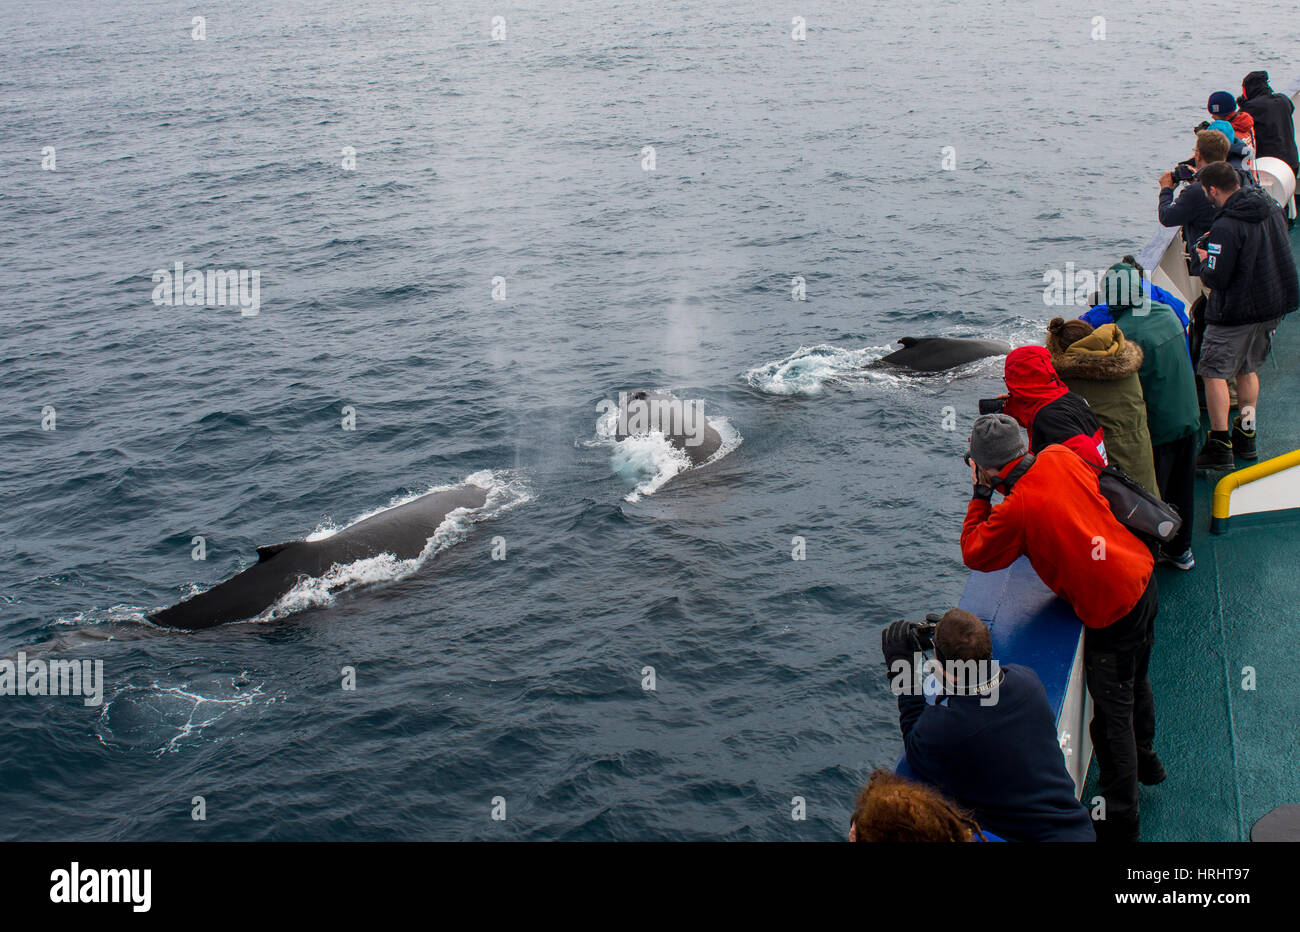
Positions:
{"x": 1222, "y": 103}
{"x": 1224, "y": 127}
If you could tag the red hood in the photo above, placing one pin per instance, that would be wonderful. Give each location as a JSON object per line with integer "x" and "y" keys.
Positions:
{"x": 1032, "y": 382}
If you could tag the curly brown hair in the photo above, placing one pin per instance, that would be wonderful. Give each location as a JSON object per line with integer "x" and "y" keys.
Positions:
{"x": 893, "y": 808}
{"x": 1062, "y": 333}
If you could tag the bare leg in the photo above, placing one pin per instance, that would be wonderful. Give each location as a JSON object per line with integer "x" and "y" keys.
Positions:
{"x": 1216, "y": 400}
{"x": 1247, "y": 393}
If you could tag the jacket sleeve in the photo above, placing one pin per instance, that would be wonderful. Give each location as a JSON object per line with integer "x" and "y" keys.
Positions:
{"x": 1216, "y": 271}
{"x": 992, "y": 538}
{"x": 1175, "y": 213}
{"x": 925, "y": 742}
{"x": 909, "y": 711}
{"x": 1164, "y": 297}
{"x": 1097, "y": 316}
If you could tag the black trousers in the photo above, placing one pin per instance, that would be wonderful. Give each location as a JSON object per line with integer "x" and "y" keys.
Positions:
{"x": 1116, "y": 659}
{"x": 1175, "y": 464}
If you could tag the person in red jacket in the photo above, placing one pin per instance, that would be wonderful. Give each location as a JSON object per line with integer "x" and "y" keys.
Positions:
{"x": 1043, "y": 405}
{"x": 1054, "y": 513}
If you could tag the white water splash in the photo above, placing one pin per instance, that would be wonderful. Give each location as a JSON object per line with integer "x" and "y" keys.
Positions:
{"x": 650, "y": 460}
{"x": 809, "y": 369}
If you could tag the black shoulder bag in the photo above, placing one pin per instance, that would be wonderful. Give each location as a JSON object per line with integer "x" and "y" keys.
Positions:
{"x": 1152, "y": 520}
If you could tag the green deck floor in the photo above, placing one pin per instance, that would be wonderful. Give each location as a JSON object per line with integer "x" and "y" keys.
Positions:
{"x": 1231, "y": 753}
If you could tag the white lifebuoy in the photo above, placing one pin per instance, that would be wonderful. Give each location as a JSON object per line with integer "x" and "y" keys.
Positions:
{"x": 1276, "y": 177}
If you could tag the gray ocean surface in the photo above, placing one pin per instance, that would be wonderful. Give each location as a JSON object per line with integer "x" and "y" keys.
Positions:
{"x": 522, "y": 679}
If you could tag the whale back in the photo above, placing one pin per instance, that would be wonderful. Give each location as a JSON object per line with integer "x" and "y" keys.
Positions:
{"x": 403, "y": 531}
{"x": 934, "y": 354}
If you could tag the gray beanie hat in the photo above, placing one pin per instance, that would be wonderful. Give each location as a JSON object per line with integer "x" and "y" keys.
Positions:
{"x": 995, "y": 440}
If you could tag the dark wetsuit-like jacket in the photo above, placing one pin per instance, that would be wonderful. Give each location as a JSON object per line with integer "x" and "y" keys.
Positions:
{"x": 1000, "y": 760}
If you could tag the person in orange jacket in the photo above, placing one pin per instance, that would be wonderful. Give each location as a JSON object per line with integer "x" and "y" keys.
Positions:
{"x": 1054, "y": 513}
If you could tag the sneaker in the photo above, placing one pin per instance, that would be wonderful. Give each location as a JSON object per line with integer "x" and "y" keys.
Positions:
{"x": 1150, "y": 770}
{"x": 1184, "y": 561}
{"x": 1216, "y": 454}
{"x": 1243, "y": 441}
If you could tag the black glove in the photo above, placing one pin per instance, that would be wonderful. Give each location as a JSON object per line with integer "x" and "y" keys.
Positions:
{"x": 899, "y": 642}
{"x": 983, "y": 491}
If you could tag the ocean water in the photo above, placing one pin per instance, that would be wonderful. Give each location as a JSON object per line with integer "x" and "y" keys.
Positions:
{"x": 484, "y": 682}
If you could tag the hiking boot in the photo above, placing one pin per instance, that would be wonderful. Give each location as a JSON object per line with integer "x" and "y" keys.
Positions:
{"x": 1184, "y": 561}
{"x": 1243, "y": 441}
{"x": 1216, "y": 454}
{"x": 1150, "y": 770}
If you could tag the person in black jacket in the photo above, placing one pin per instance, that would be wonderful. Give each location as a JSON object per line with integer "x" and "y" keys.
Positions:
{"x": 989, "y": 742}
{"x": 1192, "y": 211}
{"x": 1245, "y": 260}
{"x": 1274, "y": 119}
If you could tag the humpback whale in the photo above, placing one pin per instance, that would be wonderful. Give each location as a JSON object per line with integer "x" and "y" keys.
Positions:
{"x": 402, "y": 531}
{"x": 682, "y": 423}
{"x": 934, "y": 354}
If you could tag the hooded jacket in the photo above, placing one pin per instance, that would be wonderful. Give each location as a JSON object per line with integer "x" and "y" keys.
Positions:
{"x": 1243, "y": 124}
{"x": 1056, "y": 515}
{"x": 1103, "y": 368}
{"x": 1250, "y": 271}
{"x": 1047, "y": 409}
{"x": 1242, "y": 158}
{"x": 1100, "y": 314}
{"x": 1274, "y": 119}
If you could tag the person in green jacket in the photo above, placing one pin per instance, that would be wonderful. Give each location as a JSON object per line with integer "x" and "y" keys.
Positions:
{"x": 1169, "y": 387}
{"x": 1103, "y": 367}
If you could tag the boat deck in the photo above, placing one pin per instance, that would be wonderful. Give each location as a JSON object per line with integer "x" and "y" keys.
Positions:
{"x": 1231, "y": 752}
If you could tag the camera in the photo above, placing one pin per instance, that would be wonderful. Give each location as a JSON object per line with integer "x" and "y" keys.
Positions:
{"x": 1202, "y": 126}
{"x": 925, "y": 634}
{"x": 992, "y": 405}
{"x": 1184, "y": 171}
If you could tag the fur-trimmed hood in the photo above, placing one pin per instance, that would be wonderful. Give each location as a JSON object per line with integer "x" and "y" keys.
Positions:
{"x": 1093, "y": 357}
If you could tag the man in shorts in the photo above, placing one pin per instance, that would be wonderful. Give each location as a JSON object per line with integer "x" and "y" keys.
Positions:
{"x": 1245, "y": 260}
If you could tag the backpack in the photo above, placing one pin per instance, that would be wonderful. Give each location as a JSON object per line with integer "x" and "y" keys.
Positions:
{"x": 1150, "y": 519}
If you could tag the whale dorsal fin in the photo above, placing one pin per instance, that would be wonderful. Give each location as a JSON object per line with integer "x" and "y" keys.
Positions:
{"x": 265, "y": 553}
{"x": 908, "y": 341}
